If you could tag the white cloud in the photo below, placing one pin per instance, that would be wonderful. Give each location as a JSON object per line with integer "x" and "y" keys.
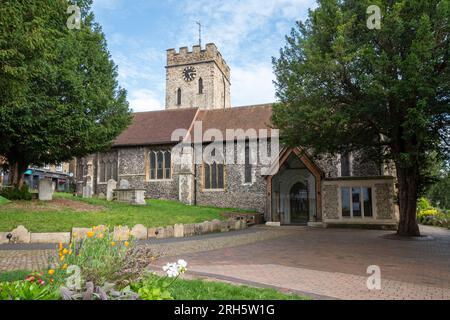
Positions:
{"x": 144, "y": 100}
{"x": 233, "y": 22}
{"x": 252, "y": 85}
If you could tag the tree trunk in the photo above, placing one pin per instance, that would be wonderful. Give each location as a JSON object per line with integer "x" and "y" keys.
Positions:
{"x": 21, "y": 167}
{"x": 13, "y": 172}
{"x": 16, "y": 174}
{"x": 407, "y": 195}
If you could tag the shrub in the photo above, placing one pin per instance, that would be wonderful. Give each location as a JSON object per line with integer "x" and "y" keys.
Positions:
{"x": 16, "y": 193}
{"x": 423, "y": 204}
{"x": 98, "y": 256}
{"x": 424, "y": 216}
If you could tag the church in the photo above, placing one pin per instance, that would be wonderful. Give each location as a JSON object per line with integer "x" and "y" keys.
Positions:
{"x": 294, "y": 188}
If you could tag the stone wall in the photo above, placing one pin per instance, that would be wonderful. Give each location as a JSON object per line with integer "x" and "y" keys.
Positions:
{"x": 384, "y": 201}
{"x": 383, "y": 206}
{"x": 330, "y": 202}
{"x": 359, "y": 167}
{"x": 236, "y": 194}
{"x": 210, "y": 66}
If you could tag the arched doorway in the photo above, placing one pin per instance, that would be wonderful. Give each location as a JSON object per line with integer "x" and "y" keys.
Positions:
{"x": 299, "y": 201}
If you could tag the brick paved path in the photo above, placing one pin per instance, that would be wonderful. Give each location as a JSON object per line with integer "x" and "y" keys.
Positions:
{"x": 334, "y": 263}
{"x": 325, "y": 262}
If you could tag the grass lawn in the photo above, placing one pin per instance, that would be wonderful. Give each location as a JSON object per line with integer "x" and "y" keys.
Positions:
{"x": 3, "y": 200}
{"x": 207, "y": 290}
{"x": 67, "y": 211}
{"x": 198, "y": 290}
{"x": 11, "y": 276}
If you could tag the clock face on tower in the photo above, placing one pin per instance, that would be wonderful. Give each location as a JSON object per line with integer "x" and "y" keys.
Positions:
{"x": 189, "y": 74}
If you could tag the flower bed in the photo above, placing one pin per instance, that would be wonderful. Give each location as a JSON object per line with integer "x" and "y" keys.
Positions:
{"x": 428, "y": 215}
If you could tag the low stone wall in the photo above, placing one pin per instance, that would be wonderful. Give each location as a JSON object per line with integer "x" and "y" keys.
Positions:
{"x": 122, "y": 233}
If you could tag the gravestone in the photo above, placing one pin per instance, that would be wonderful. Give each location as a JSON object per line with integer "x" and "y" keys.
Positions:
{"x": 45, "y": 190}
{"x": 87, "y": 192}
{"x": 124, "y": 184}
{"x": 111, "y": 186}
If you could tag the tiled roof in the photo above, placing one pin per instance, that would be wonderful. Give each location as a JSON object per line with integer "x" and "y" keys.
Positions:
{"x": 250, "y": 117}
{"x": 153, "y": 128}
{"x": 156, "y": 127}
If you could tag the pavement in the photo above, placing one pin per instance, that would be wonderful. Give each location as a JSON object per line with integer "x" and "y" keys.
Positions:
{"x": 316, "y": 262}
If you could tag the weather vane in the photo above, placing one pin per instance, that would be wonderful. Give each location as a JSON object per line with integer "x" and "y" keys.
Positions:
{"x": 199, "y": 33}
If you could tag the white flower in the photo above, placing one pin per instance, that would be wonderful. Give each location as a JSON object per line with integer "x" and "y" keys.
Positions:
{"x": 171, "y": 269}
{"x": 182, "y": 263}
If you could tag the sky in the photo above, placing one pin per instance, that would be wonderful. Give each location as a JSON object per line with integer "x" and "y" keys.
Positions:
{"x": 248, "y": 33}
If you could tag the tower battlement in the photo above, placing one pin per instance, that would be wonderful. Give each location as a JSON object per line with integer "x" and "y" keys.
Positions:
{"x": 198, "y": 55}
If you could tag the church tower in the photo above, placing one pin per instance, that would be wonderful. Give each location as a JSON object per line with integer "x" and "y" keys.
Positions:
{"x": 197, "y": 79}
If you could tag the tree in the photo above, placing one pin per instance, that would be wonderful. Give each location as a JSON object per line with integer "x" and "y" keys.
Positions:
{"x": 59, "y": 97}
{"x": 344, "y": 87}
{"x": 439, "y": 191}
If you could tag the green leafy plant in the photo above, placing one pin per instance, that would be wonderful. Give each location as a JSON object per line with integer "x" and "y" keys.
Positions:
{"x": 99, "y": 257}
{"x": 13, "y": 194}
{"x": 153, "y": 287}
{"x": 32, "y": 288}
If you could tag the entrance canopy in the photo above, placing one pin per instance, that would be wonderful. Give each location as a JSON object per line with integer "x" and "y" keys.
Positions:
{"x": 294, "y": 189}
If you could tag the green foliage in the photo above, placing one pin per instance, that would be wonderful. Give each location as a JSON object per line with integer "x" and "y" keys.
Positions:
{"x": 428, "y": 215}
{"x": 28, "y": 290}
{"x": 439, "y": 192}
{"x": 423, "y": 204}
{"x": 153, "y": 287}
{"x": 99, "y": 257}
{"x": 11, "y": 276}
{"x": 343, "y": 87}
{"x": 59, "y": 97}
{"x": 14, "y": 193}
{"x": 208, "y": 290}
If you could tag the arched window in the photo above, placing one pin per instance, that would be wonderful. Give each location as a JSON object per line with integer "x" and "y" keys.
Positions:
{"x": 108, "y": 170}
{"x": 179, "y": 97}
{"x": 200, "y": 86}
{"x": 101, "y": 173}
{"x": 160, "y": 165}
{"x": 214, "y": 176}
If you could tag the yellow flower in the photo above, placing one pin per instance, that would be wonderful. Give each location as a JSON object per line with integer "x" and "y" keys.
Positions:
{"x": 60, "y": 246}
{"x": 101, "y": 236}
{"x": 126, "y": 244}
{"x": 62, "y": 258}
{"x": 65, "y": 251}
{"x": 64, "y": 267}
{"x": 113, "y": 244}
{"x": 70, "y": 251}
{"x": 90, "y": 234}
{"x": 51, "y": 272}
